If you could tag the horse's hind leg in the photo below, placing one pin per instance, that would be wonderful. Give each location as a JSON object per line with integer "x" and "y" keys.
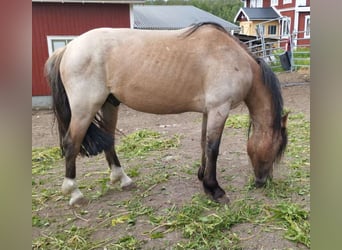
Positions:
{"x": 82, "y": 116}
{"x": 110, "y": 115}
{"x": 71, "y": 146}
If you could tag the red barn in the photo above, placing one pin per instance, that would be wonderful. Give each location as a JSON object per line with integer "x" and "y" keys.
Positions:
{"x": 55, "y": 23}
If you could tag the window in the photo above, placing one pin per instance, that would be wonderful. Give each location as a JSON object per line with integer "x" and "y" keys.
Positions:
{"x": 285, "y": 27}
{"x": 272, "y": 29}
{"x": 56, "y": 42}
{"x": 260, "y": 30}
{"x": 301, "y": 2}
{"x": 256, "y": 4}
{"x": 274, "y": 2}
{"x": 287, "y": 1}
{"x": 307, "y": 27}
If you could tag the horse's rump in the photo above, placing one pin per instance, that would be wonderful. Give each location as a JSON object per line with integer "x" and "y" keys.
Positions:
{"x": 96, "y": 139}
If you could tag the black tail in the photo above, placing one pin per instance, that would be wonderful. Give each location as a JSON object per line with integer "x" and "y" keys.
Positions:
{"x": 96, "y": 139}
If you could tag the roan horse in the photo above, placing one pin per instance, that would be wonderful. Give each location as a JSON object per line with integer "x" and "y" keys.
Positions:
{"x": 201, "y": 68}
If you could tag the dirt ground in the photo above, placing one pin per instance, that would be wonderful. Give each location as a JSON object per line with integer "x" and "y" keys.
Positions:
{"x": 232, "y": 153}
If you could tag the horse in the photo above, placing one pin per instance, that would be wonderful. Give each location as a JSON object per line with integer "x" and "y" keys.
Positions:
{"x": 201, "y": 68}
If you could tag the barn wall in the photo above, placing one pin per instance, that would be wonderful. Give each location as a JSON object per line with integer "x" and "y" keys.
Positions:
{"x": 291, "y": 15}
{"x": 301, "y": 29}
{"x": 72, "y": 19}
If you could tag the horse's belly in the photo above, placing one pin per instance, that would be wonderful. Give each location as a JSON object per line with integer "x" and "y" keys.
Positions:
{"x": 160, "y": 101}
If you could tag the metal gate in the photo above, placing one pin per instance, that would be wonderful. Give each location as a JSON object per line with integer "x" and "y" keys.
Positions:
{"x": 282, "y": 53}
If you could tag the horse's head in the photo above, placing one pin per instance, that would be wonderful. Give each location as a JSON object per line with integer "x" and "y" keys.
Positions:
{"x": 265, "y": 148}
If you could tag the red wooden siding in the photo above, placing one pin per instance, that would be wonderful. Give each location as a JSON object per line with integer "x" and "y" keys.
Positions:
{"x": 289, "y": 14}
{"x": 266, "y": 3}
{"x": 49, "y": 19}
{"x": 301, "y": 28}
{"x": 301, "y": 24}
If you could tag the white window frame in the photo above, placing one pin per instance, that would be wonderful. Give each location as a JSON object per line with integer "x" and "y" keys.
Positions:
{"x": 274, "y": 3}
{"x": 301, "y": 3}
{"x": 306, "y": 29}
{"x": 268, "y": 30}
{"x": 287, "y": 1}
{"x": 286, "y": 23}
{"x": 50, "y": 40}
{"x": 260, "y": 30}
{"x": 256, "y": 4}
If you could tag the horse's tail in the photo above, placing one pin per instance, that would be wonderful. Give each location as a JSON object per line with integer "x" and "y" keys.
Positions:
{"x": 96, "y": 139}
{"x": 60, "y": 102}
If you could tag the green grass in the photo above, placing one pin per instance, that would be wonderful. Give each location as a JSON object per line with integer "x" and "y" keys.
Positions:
{"x": 294, "y": 220}
{"x": 42, "y": 159}
{"x": 141, "y": 142}
{"x": 237, "y": 121}
{"x": 301, "y": 58}
{"x": 199, "y": 223}
{"x": 75, "y": 237}
{"x": 43, "y": 162}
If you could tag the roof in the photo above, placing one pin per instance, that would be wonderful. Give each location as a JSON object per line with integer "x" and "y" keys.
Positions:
{"x": 257, "y": 14}
{"x": 166, "y": 17}
{"x": 89, "y": 1}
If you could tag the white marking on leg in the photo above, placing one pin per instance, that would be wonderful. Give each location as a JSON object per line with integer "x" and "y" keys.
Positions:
{"x": 116, "y": 174}
{"x": 119, "y": 174}
{"x": 69, "y": 186}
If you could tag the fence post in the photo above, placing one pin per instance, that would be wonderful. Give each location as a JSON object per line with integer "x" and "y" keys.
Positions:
{"x": 292, "y": 38}
{"x": 260, "y": 33}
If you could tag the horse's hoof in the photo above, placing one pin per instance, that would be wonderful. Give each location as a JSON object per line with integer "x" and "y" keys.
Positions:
{"x": 259, "y": 184}
{"x": 129, "y": 186}
{"x": 223, "y": 199}
{"x": 200, "y": 174}
{"x": 80, "y": 201}
{"x": 113, "y": 181}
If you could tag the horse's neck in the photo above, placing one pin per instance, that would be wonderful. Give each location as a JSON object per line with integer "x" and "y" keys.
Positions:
{"x": 259, "y": 103}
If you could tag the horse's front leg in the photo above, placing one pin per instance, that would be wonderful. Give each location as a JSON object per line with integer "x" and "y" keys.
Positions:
{"x": 201, "y": 169}
{"x": 215, "y": 126}
{"x": 110, "y": 116}
{"x": 117, "y": 172}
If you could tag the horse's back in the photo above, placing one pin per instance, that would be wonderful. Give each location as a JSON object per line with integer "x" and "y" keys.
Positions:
{"x": 161, "y": 71}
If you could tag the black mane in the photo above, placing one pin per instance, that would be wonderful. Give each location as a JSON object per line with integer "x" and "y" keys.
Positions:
{"x": 271, "y": 81}
{"x": 198, "y": 25}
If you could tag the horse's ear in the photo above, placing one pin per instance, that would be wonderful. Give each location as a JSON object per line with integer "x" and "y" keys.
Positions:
{"x": 284, "y": 120}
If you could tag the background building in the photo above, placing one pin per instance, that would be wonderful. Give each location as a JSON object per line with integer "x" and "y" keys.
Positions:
{"x": 56, "y": 22}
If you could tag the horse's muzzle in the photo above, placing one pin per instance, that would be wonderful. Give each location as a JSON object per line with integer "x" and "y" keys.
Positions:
{"x": 261, "y": 182}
